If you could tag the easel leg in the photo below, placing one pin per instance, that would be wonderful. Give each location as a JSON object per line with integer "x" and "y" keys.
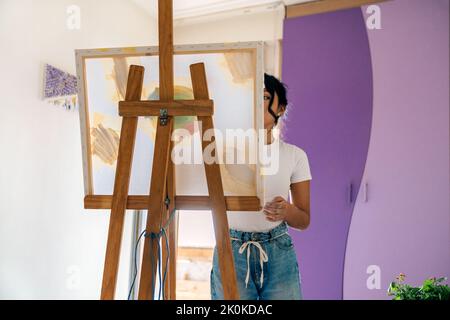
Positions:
{"x": 170, "y": 284}
{"x": 121, "y": 185}
{"x": 173, "y": 245}
{"x": 165, "y": 254}
{"x": 156, "y": 207}
{"x": 216, "y": 195}
{"x": 162, "y": 150}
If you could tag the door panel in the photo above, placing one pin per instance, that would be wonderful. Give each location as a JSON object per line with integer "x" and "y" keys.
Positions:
{"x": 327, "y": 68}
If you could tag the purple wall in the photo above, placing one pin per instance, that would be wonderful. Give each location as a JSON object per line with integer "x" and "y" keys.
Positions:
{"x": 404, "y": 226}
{"x": 326, "y": 64}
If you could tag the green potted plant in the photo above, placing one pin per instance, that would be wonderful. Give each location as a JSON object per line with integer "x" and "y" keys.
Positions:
{"x": 431, "y": 289}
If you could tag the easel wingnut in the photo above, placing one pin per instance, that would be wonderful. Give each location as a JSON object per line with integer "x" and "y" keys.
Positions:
{"x": 163, "y": 116}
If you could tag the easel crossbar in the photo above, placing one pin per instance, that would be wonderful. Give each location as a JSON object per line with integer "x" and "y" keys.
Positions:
{"x": 140, "y": 202}
{"x": 174, "y": 108}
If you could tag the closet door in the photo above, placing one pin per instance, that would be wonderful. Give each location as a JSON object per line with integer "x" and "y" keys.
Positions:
{"x": 327, "y": 67}
{"x": 403, "y": 226}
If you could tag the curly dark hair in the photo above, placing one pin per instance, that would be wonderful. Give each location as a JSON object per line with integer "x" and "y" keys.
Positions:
{"x": 273, "y": 85}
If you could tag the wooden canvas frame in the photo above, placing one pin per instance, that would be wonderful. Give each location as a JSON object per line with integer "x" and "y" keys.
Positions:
{"x": 81, "y": 55}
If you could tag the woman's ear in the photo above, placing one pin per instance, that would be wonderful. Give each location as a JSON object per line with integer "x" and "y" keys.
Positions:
{"x": 281, "y": 110}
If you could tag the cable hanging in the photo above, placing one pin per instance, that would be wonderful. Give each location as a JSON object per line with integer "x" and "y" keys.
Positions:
{"x": 155, "y": 237}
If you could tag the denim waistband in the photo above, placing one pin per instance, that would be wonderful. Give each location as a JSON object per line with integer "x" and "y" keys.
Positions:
{"x": 259, "y": 236}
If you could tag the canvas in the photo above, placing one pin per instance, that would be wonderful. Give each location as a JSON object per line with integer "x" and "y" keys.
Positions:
{"x": 235, "y": 82}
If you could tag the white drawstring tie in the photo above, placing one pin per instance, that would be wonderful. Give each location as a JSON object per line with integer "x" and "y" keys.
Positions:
{"x": 263, "y": 257}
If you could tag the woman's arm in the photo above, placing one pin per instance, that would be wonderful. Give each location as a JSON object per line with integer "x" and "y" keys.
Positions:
{"x": 297, "y": 213}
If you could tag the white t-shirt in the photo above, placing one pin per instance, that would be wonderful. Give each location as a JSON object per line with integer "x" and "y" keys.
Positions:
{"x": 293, "y": 167}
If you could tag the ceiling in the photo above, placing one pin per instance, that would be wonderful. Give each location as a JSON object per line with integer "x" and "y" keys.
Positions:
{"x": 184, "y": 9}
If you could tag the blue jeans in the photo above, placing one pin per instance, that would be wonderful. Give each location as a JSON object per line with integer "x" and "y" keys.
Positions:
{"x": 266, "y": 266}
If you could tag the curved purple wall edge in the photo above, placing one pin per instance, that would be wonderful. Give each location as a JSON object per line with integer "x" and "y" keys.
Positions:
{"x": 405, "y": 224}
{"x": 327, "y": 67}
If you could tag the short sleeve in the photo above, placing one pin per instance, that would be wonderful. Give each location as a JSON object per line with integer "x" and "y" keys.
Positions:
{"x": 301, "y": 171}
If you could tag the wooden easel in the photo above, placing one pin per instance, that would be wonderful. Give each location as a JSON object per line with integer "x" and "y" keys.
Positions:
{"x": 162, "y": 184}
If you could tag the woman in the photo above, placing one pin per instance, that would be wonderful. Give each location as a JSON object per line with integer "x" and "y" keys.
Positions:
{"x": 264, "y": 257}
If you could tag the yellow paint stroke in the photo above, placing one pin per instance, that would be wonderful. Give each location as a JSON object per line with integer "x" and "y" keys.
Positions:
{"x": 238, "y": 179}
{"x": 112, "y": 90}
{"x": 123, "y": 50}
{"x": 129, "y": 50}
{"x": 241, "y": 65}
{"x": 120, "y": 76}
{"x": 113, "y": 122}
{"x": 105, "y": 143}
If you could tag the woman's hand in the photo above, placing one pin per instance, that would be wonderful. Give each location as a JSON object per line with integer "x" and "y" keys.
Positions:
{"x": 277, "y": 209}
{"x": 296, "y": 214}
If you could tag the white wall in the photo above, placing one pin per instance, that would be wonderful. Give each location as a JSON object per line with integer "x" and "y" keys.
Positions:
{"x": 235, "y": 27}
{"x": 47, "y": 239}
{"x": 45, "y": 234}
